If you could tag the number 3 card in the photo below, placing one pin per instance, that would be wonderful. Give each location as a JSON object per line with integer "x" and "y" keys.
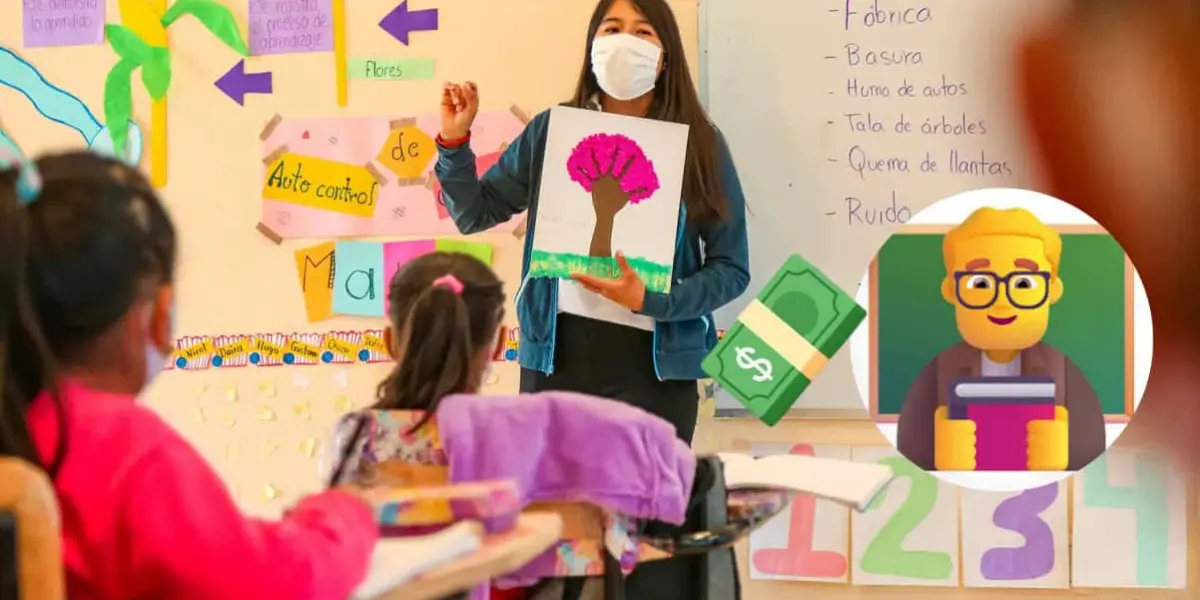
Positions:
{"x": 909, "y": 535}
{"x": 806, "y": 542}
{"x": 1016, "y": 539}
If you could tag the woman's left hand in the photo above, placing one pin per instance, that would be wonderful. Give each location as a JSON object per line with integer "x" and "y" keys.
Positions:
{"x": 628, "y": 290}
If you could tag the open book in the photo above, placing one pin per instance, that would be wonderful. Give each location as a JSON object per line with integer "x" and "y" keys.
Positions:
{"x": 852, "y": 484}
{"x": 398, "y": 560}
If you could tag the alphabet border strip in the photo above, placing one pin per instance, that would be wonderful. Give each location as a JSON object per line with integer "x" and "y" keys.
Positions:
{"x": 203, "y": 352}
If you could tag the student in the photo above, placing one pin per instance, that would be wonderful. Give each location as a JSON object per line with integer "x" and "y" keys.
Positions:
{"x": 445, "y": 312}
{"x": 87, "y": 261}
{"x": 634, "y": 65}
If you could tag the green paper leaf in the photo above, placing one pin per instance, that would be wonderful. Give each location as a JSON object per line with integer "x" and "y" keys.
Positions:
{"x": 118, "y": 103}
{"x": 156, "y": 73}
{"x": 126, "y": 43}
{"x": 215, "y": 17}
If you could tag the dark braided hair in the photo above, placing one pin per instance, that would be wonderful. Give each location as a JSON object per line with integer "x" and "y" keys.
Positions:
{"x": 73, "y": 262}
{"x": 443, "y": 336}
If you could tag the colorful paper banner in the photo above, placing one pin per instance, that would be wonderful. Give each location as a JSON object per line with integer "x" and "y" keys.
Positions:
{"x": 199, "y": 353}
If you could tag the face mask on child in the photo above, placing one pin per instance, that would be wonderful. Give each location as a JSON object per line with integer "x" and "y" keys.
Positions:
{"x": 155, "y": 358}
{"x": 625, "y": 65}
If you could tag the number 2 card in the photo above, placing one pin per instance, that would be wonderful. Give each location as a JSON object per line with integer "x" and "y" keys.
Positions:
{"x": 909, "y": 535}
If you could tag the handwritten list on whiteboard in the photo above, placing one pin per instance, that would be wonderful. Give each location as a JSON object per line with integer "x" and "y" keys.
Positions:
{"x": 863, "y": 113}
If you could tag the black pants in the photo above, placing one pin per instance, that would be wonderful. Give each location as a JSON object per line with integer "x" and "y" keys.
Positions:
{"x": 613, "y": 361}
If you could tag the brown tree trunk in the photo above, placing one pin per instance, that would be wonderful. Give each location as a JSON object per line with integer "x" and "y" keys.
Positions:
{"x": 602, "y": 236}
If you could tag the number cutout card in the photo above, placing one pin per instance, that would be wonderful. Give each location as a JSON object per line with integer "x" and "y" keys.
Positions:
{"x": 806, "y": 542}
{"x": 1016, "y": 539}
{"x": 909, "y": 535}
{"x": 1130, "y": 523}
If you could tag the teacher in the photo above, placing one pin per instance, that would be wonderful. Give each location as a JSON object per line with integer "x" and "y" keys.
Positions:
{"x": 650, "y": 357}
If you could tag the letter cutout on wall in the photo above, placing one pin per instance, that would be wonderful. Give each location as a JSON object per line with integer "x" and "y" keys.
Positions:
{"x": 358, "y": 286}
{"x": 1016, "y": 539}
{"x": 1130, "y": 523}
{"x": 808, "y": 541}
{"x": 909, "y": 535}
{"x": 315, "y": 269}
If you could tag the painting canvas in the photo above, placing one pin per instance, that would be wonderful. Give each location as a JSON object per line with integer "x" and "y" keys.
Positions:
{"x": 609, "y": 183}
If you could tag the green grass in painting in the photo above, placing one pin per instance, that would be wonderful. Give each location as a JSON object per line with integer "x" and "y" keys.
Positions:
{"x": 562, "y": 264}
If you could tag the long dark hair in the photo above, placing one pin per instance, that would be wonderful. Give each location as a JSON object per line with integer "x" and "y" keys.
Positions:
{"x": 73, "y": 262}
{"x": 442, "y": 332}
{"x": 675, "y": 100}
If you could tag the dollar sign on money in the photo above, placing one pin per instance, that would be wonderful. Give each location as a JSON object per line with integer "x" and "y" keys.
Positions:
{"x": 746, "y": 360}
{"x": 814, "y": 312}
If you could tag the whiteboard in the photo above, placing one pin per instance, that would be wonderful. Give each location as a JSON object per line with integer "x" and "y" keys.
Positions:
{"x": 810, "y": 95}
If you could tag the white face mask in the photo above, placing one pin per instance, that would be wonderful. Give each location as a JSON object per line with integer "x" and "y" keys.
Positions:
{"x": 155, "y": 359}
{"x": 625, "y": 65}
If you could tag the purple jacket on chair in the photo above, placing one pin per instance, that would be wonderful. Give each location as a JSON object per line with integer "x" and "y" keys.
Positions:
{"x": 560, "y": 446}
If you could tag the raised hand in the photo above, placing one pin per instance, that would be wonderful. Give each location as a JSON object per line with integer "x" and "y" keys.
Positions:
{"x": 460, "y": 104}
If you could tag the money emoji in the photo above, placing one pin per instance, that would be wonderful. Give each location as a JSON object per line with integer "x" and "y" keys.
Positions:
{"x": 783, "y": 339}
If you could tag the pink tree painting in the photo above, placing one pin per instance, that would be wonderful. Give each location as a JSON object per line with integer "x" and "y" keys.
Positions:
{"x": 617, "y": 173}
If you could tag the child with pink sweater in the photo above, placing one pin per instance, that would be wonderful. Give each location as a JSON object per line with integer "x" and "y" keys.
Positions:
{"x": 87, "y": 258}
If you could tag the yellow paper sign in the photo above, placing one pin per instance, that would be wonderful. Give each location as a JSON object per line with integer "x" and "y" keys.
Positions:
{"x": 340, "y": 347}
{"x": 324, "y": 184}
{"x": 267, "y": 349}
{"x": 314, "y": 266}
{"x": 304, "y": 349}
{"x": 197, "y": 350}
{"x": 375, "y": 343}
{"x": 407, "y": 151}
{"x": 235, "y": 349}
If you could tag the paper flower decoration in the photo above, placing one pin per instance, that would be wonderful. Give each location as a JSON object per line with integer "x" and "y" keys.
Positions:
{"x": 615, "y": 170}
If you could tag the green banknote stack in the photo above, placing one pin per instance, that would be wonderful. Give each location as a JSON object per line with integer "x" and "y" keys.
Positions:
{"x": 780, "y": 343}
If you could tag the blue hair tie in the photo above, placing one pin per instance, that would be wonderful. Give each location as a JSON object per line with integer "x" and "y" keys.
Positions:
{"x": 29, "y": 181}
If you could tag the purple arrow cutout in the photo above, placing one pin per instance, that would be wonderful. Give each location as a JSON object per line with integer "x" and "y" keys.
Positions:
{"x": 401, "y": 21}
{"x": 236, "y": 83}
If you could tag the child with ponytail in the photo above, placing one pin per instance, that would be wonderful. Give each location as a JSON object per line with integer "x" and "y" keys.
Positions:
{"x": 445, "y": 312}
{"x": 87, "y": 264}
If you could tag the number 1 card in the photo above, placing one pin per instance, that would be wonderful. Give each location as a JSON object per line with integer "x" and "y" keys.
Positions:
{"x": 806, "y": 542}
{"x": 909, "y": 535}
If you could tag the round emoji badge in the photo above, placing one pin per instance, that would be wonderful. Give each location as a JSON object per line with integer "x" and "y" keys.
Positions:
{"x": 1008, "y": 343}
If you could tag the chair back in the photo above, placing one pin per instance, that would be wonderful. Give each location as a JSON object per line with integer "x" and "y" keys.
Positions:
{"x": 31, "y": 565}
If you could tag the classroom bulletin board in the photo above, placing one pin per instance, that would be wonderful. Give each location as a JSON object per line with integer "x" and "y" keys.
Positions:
{"x": 262, "y": 371}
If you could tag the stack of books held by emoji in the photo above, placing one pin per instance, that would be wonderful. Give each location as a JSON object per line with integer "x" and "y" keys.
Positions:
{"x": 783, "y": 340}
{"x": 1001, "y": 408}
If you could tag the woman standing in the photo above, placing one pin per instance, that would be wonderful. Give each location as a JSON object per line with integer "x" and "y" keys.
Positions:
{"x": 650, "y": 356}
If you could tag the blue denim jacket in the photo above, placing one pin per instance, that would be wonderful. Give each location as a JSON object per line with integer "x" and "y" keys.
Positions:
{"x": 704, "y": 279}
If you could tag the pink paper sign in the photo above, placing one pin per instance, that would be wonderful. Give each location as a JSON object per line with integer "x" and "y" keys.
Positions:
{"x": 288, "y": 26}
{"x": 403, "y": 207}
{"x": 398, "y": 254}
{"x": 482, "y": 164}
{"x": 63, "y": 22}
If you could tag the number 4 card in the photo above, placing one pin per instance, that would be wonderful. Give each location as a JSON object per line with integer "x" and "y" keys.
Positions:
{"x": 909, "y": 535}
{"x": 1130, "y": 523}
{"x": 806, "y": 542}
{"x": 1016, "y": 539}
